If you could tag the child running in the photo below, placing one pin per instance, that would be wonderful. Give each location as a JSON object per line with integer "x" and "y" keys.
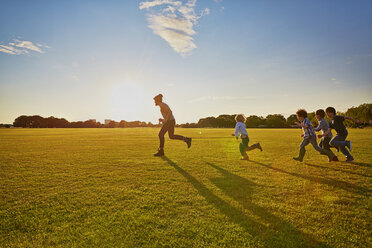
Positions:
{"x": 240, "y": 129}
{"x": 309, "y": 136}
{"x": 168, "y": 122}
{"x": 337, "y": 123}
{"x": 323, "y": 126}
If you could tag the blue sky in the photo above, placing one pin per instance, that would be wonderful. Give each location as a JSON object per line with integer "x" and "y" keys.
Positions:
{"x": 107, "y": 59}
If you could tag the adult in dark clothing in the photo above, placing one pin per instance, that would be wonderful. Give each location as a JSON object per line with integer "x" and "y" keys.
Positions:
{"x": 168, "y": 122}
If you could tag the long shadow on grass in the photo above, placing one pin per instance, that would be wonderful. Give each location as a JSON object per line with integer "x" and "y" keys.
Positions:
{"x": 336, "y": 169}
{"x": 331, "y": 182}
{"x": 277, "y": 231}
{"x": 362, "y": 164}
{"x": 236, "y": 216}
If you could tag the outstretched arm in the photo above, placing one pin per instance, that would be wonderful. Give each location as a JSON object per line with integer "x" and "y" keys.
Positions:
{"x": 318, "y": 128}
{"x": 325, "y": 133}
{"x": 301, "y": 125}
{"x": 352, "y": 119}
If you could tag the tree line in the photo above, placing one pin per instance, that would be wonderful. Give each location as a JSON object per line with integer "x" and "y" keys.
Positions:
{"x": 363, "y": 113}
{"x": 36, "y": 121}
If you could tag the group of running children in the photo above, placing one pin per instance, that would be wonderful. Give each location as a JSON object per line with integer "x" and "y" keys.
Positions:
{"x": 309, "y": 136}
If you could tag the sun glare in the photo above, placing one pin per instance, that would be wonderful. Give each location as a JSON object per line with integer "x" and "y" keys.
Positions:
{"x": 126, "y": 100}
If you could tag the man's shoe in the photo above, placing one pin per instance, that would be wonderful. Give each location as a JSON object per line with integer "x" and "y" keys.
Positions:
{"x": 349, "y": 159}
{"x": 335, "y": 159}
{"x": 259, "y": 146}
{"x": 188, "y": 142}
{"x": 297, "y": 159}
{"x": 160, "y": 153}
{"x": 348, "y": 144}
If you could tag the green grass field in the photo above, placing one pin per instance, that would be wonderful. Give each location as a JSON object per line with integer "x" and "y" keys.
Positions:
{"x": 103, "y": 188}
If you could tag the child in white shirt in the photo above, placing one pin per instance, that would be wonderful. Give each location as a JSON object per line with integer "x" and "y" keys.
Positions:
{"x": 240, "y": 129}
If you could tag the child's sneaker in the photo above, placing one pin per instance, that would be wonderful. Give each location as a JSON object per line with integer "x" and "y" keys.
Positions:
{"x": 160, "y": 153}
{"x": 297, "y": 159}
{"x": 348, "y": 144}
{"x": 259, "y": 146}
{"x": 349, "y": 159}
{"x": 188, "y": 142}
{"x": 245, "y": 157}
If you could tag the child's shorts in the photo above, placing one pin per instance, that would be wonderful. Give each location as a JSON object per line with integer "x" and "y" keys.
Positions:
{"x": 243, "y": 145}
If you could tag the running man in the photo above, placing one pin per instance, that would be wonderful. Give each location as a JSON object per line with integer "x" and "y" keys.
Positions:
{"x": 168, "y": 122}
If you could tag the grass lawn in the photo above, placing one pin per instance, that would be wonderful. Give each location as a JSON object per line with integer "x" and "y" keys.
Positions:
{"x": 103, "y": 188}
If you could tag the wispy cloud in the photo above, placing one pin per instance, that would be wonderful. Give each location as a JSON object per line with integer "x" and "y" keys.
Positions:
{"x": 335, "y": 81}
{"x": 221, "y": 98}
{"x": 174, "y": 21}
{"x": 18, "y": 47}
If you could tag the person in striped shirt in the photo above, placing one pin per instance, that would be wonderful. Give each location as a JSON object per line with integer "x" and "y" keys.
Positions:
{"x": 309, "y": 137}
{"x": 241, "y": 130}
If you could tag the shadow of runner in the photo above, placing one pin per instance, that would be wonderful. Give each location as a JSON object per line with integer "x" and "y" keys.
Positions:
{"x": 278, "y": 231}
{"x": 331, "y": 182}
{"x": 336, "y": 169}
{"x": 361, "y": 164}
{"x": 234, "y": 214}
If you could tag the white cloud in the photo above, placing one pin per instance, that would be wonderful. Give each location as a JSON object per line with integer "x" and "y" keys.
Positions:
{"x": 206, "y": 11}
{"x": 18, "y": 47}
{"x": 8, "y": 49}
{"x": 335, "y": 81}
{"x": 28, "y": 45}
{"x": 147, "y": 5}
{"x": 174, "y": 22}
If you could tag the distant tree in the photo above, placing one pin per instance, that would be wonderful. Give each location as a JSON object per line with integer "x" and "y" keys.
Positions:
{"x": 312, "y": 118}
{"x": 276, "y": 120}
{"x": 5, "y": 125}
{"x": 363, "y": 113}
{"x": 225, "y": 121}
{"x": 21, "y": 121}
{"x": 255, "y": 121}
{"x": 207, "y": 122}
{"x": 112, "y": 124}
{"x": 291, "y": 120}
{"x": 189, "y": 125}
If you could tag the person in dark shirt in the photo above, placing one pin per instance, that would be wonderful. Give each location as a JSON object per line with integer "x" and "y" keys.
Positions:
{"x": 169, "y": 123}
{"x": 337, "y": 123}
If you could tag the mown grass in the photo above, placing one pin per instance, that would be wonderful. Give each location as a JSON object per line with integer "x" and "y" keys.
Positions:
{"x": 103, "y": 188}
